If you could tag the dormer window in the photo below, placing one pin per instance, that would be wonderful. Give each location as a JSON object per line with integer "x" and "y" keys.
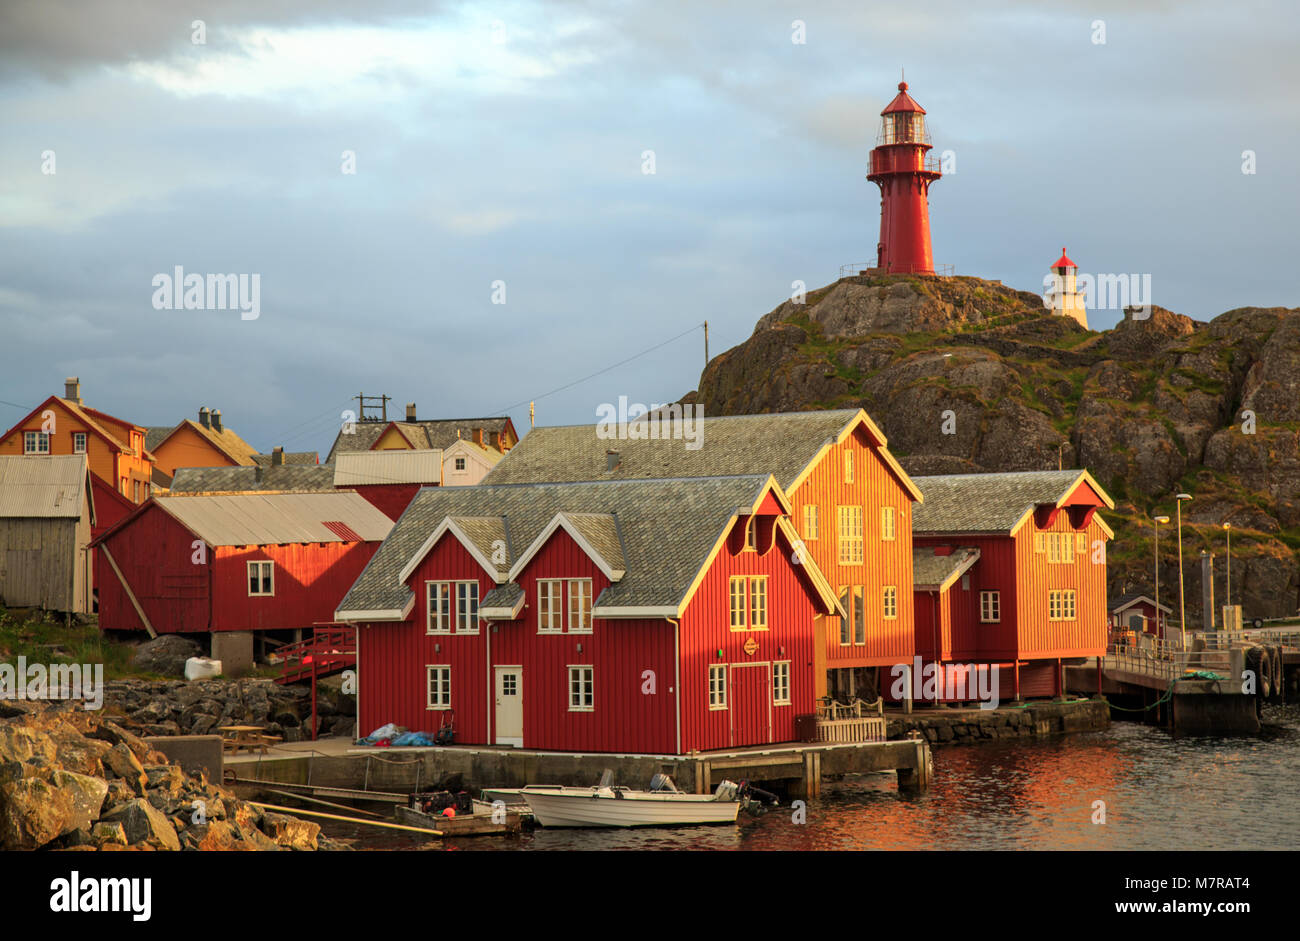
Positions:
{"x": 751, "y": 534}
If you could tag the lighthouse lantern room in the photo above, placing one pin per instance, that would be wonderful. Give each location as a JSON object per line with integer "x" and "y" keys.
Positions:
{"x": 902, "y": 167}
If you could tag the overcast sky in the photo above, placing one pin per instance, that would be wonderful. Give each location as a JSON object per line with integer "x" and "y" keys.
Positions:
{"x": 504, "y": 142}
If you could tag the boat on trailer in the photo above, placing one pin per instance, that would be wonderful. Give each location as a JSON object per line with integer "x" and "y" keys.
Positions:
{"x": 661, "y": 806}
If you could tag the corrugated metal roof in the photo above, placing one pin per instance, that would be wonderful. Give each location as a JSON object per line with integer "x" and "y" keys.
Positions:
{"x": 42, "y": 485}
{"x": 357, "y": 468}
{"x": 248, "y": 519}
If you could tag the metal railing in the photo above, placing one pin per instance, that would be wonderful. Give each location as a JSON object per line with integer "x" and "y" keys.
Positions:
{"x": 854, "y": 269}
{"x": 1163, "y": 661}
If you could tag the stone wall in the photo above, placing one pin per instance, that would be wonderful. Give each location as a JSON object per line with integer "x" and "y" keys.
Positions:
{"x": 969, "y": 726}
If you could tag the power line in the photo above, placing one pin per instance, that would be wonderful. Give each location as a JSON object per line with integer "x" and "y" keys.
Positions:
{"x": 601, "y": 372}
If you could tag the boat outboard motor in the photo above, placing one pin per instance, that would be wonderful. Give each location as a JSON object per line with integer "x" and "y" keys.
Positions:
{"x": 726, "y": 791}
{"x": 662, "y": 782}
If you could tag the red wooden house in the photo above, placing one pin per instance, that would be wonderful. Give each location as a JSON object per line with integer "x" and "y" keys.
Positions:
{"x": 1137, "y": 612}
{"x": 237, "y": 562}
{"x": 1010, "y": 569}
{"x": 850, "y": 501}
{"x": 649, "y": 616}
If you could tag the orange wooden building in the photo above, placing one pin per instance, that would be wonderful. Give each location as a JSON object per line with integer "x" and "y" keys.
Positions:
{"x": 851, "y": 503}
{"x": 115, "y": 449}
{"x": 1010, "y": 569}
{"x": 203, "y": 443}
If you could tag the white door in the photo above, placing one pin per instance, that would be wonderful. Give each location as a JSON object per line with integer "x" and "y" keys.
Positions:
{"x": 510, "y": 706}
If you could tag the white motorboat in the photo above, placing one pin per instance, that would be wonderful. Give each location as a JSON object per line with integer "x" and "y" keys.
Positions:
{"x": 605, "y": 806}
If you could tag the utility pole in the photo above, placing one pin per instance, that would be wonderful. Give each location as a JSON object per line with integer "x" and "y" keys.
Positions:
{"x": 363, "y": 399}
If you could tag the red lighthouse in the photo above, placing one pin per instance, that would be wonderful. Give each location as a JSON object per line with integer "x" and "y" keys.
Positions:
{"x": 903, "y": 169}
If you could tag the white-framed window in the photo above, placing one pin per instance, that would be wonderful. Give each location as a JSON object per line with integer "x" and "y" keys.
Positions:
{"x": 850, "y": 535}
{"x": 718, "y": 686}
{"x": 36, "y": 442}
{"x": 582, "y": 689}
{"x": 1061, "y": 605}
{"x": 781, "y": 683}
{"x": 891, "y": 603}
{"x": 1080, "y": 543}
{"x": 1038, "y": 542}
{"x": 887, "y": 523}
{"x": 1060, "y": 548}
{"x": 438, "y": 608}
{"x": 846, "y": 619}
{"x": 751, "y": 534}
{"x": 758, "y": 603}
{"x": 78, "y": 442}
{"x": 990, "y": 607}
{"x": 550, "y": 607}
{"x": 467, "y": 607}
{"x": 261, "y": 578}
{"x": 135, "y": 491}
{"x": 810, "y": 522}
{"x": 460, "y": 463}
{"x": 859, "y": 617}
{"x": 437, "y": 687}
{"x": 580, "y": 606}
{"x": 739, "y": 602}
{"x": 848, "y": 467}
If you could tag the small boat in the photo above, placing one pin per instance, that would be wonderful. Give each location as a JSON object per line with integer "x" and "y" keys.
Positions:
{"x": 604, "y": 806}
{"x": 484, "y": 820}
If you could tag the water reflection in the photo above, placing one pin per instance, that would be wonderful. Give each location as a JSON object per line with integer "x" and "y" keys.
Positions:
{"x": 1159, "y": 793}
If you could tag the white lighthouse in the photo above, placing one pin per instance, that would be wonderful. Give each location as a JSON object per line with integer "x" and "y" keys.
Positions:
{"x": 1063, "y": 295}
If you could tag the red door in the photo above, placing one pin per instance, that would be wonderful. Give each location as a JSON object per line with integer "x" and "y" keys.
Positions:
{"x": 751, "y": 704}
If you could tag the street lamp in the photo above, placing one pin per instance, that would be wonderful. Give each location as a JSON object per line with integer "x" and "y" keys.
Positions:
{"x": 1160, "y": 631}
{"x": 1182, "y": 606}
{"x": 1227, "y": 588}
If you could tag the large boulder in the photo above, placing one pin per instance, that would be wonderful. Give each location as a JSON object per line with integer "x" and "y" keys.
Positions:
{"x": 165, "y": 655}
{"x": 143, "y": 823}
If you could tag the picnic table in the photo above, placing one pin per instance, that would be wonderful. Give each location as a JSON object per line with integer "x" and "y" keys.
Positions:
{"x": 252, "y": 737}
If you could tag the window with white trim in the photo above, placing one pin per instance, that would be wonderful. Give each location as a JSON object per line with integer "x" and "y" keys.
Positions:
{"x": 261, "y": 578}
{"x": 1061, "y": 605}
{"x": 580, "y": 606}
{"x": 78, "y": 442}
{"x": 846, "y": 619}
{"x": 859, "y": 617}
{"x": 758, "y": 603}
{"x": 550, "y": 609}
{"x": 438, "y": 608}
{"x": 850, "y": 535}
{"x": 460, "y": 463}
{"x": 717, "y": 686}
{"x": 751, "y": 534}
{"x": 810, "y": 522}
{"x": 848, "y": 467}
{"x": 781, "y": 683}
{"x": 1060, "y": 548}
{"x": 990, "y": 607}
{"x": 1080, "y": 543}
{"x": 582, "y": 689}
{"x": 36, "y": 442}
{"x": 891, "y": 602}
{"x": 736, "y": 590}
{"x": 887, "y": 523}
{"x": 467, "y": 607}
{"x": 437, "y": 687}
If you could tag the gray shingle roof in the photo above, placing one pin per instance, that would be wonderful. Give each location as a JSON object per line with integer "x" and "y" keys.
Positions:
{"x": 930, "y": 570}
{"x": 310, "y": 458}
{"x": 985, "y": 503}
{"x": 502, "y": 597}
{"x": 156, "y": 435}
{"x": 287, "y": 477}
{"x": 668, "y": 528}
{"x": 432, "y": 433}
{"x": 780, "y": 444}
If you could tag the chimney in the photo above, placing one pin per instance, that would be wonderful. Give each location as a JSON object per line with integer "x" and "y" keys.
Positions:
{"x": 410, "y": 411}
{"x": 205, "y": 417}
{"x": 72, "y": 390}
{"x": 612, "y": 461}
{"x": 277, "y": 457}
{"x": 478, "y": 437}
{"x": 216, "y": 419}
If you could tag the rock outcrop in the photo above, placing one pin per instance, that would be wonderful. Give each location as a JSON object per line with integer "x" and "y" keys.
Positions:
{"x": 72, "y": 779}
{"x": 967, "y": 376}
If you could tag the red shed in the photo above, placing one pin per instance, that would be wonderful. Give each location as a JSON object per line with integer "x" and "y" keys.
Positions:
{"x": 235, "y": 562}
{"x": 646, "y": 616}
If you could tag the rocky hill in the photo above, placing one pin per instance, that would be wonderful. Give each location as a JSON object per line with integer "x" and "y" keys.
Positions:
{"x": 966, "y": 375}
